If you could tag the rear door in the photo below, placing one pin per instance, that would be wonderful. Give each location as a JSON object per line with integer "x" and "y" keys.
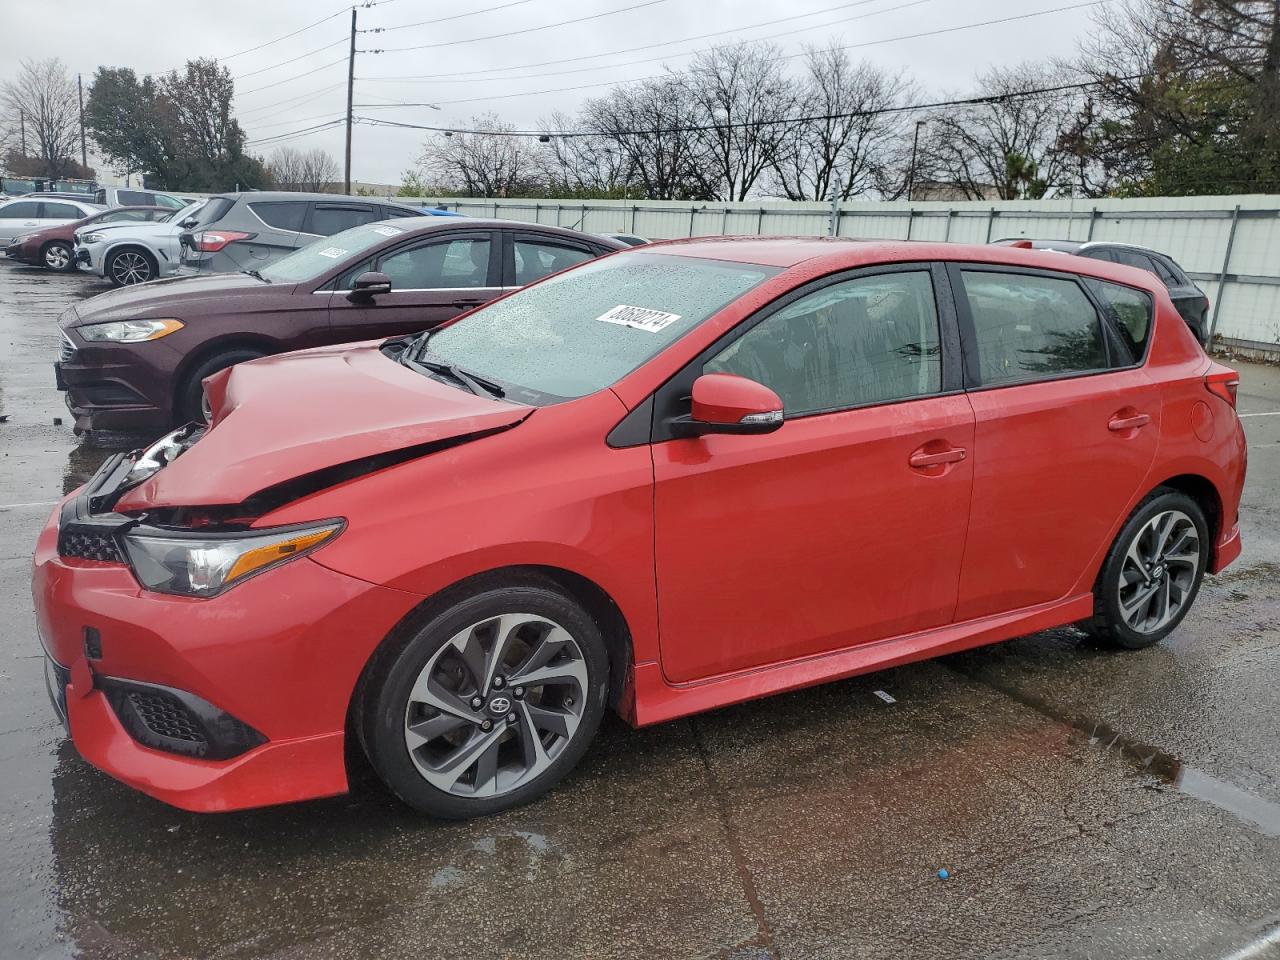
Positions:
{"x": 1067, "y": 424}
{"x": 433, "y": 279}
{"x": 19, "y": 217}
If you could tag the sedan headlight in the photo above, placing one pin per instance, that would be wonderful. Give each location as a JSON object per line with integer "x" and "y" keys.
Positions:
{"x": 22, "y": 239}
{"x": 205, "y": 564}
{"x": 129, "y": 331}
{"x": 90, "y": 237}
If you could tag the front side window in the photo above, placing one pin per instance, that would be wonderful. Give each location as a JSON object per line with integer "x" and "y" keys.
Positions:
{"x": 441, "y": 265}
{"x": 1129, "y": 311}
{"x": 583, "y": 330}
{"x": 1031, "y": 327}
{"x": 537, "y": 260}
{"x": 328, "y": 220}
{"x": 861, "y": 341}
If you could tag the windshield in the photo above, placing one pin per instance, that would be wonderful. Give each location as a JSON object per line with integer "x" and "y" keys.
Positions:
{"x": 584, "y": 329}
{"x": 319, "y": 256}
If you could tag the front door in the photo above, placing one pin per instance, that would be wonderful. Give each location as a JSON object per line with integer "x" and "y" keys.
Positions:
{"x": 431, "y": 281}
{"x": 847, "y": 524}
{"x": 1067, "y": 428}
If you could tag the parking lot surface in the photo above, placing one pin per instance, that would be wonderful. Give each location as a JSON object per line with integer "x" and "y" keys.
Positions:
{"x": 1083, "y": 803}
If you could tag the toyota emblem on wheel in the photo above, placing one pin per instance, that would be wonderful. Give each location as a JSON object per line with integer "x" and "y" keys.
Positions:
{"x": 499, "y": 705}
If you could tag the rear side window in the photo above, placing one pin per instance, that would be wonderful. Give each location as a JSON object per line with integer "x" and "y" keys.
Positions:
{"x": 1129, "y": 311}
{"x": 60, "y": 211}
{"x": 327, "y": 220}
{"x": 135, "y": 198}
{"x": 537, "y": 260}
{"x": 861, "y": 341}
{"x": 212, "y": 212}
{"x": 281, "y": 214}
{"x": 1030, "y": 327}
{"x": 1165, "y": 274}
{"x": 439, "y": 266}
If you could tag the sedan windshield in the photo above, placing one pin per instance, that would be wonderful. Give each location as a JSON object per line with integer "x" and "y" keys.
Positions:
{"x": 584, "y": 329}
{"x": 319, "y": 256}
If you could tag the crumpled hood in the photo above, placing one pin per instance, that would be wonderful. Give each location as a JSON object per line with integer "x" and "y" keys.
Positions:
{"x": 166, "y": 298}
{"x": 279, "y": 418}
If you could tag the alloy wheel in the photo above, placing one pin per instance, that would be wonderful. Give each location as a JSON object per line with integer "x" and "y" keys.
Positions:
{"x": 56, "y": 256}
{"x": 1158, "y": 575}
{"x": 495, "y": 705}
{"x": 128, "y": 268}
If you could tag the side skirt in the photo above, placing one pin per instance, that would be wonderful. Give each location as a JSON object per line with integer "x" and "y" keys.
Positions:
{"x": 656, "y": 700}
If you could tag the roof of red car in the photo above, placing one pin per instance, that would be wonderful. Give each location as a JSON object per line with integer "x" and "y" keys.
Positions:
{"x": 845, "y": 252}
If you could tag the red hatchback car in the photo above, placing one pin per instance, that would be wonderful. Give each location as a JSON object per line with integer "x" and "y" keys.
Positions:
{"x": 664, "y": 481}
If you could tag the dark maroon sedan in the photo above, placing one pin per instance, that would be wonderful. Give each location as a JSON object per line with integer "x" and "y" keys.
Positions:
{"x": 52, "y": 247}
{"x": 133, "y": 359}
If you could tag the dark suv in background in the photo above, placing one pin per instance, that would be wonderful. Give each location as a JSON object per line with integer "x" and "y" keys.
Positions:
{"x": 1190, "y": 300}
{"x": 246, "y": 231}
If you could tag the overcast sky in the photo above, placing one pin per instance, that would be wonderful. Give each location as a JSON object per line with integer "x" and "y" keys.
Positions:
{"x": 275, "y": 97}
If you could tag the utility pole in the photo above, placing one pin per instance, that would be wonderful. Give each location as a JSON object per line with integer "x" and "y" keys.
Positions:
{"x": 84, "y": 150}
{"x": 911, "y": 174}
{"x": 22, "y": 122}
{"x": 351, "y": 83}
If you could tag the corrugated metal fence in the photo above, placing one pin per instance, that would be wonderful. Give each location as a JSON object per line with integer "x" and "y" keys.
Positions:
{"x": 1230, "y": 245}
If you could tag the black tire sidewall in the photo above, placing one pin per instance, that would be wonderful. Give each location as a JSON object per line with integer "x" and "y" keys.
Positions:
{"x": 188, "y": 398}
{"x": 1108, "y": 597}
{"x": 385, "y": 698}
{"x": 111, "y": 262}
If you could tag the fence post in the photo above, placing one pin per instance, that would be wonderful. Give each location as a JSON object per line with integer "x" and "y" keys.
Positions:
{"x": 1222, "y": 275}
{"x": 692, "y": 213}
{"x": 724, "y": 222}
{"x": 911, "y": 219}
{"x": 1093, "y": 218}
{"x": 991, "y": 222}
{"x": 537, "y": 213}
{"x": 559, "y": 210}
{"x": 760, "y": 222}
{"x": 633, "y": 218}
{"x": 946, "y": 237}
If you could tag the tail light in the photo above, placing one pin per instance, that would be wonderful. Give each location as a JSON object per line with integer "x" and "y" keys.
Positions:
{"x": 1223, "y": 383}
{"x": 211, "y": 241}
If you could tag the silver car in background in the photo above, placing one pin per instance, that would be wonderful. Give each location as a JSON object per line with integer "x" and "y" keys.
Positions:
{"x": 238, "y": 232}
{"x": 131, "y": 253}
{"x": 31, "y": 213}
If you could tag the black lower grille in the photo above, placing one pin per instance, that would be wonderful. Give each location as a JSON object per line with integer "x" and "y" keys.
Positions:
{"x": 176, "y": 721}
{"x": 89, "y": 545}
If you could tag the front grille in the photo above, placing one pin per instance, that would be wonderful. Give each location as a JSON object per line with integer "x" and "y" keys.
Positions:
{"x": 165, "y": 717}
{"x": 66, "y": 350}
{"x": 89, "y": 545}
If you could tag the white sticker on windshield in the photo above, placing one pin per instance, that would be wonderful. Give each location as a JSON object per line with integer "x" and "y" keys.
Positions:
{"x": 387, "y": 231}
{"x": 333, "y": 253}
{"x": 639, "y": 318}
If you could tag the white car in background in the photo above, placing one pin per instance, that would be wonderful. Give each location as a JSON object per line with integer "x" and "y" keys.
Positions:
{"x": 28, "y": 214}
{"x": 130, "y": 253}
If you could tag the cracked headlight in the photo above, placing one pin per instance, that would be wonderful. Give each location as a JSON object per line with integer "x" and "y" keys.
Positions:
{"x": 205, "y": 564}
{"x": 129, "y": 331}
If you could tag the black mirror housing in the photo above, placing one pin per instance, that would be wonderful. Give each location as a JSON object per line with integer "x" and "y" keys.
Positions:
{"x": 369, "y": 285}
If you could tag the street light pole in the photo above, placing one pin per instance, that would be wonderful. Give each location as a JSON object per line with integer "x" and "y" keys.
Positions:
{"x": 84, "y": 150}
{"x": 351, "y": 82}
{"x": 911, "y": 174}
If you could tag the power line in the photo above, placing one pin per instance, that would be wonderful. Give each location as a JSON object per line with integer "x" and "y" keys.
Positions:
{"x": 291, "y": 101}
{"x": 282, "y": 63}
{"x": 456, "y": 16}
{"x": 307, "y": 73}
{"x": 790, "y": 56}
{"x": 521, "y": 32}
{"x": 647, "y": 46}
{"x": 696, "y": 128}
{"x": 670, "y": 56}
{"x": 285, "y": 37}
{"x": 296, "y": 133}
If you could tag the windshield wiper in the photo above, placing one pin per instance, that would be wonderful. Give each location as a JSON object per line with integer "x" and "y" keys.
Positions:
{"x": 256, "y": 275}
{"x": 477, "y": 385}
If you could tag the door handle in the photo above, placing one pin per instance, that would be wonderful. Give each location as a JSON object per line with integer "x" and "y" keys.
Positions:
{"x": 468, "y": 303}
{"x": 1128, "y": 423}
{"x": 923, "y": 459}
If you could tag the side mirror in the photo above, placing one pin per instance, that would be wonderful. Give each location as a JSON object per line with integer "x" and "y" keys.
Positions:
{"x": 727, "y": 403}
{"x": 369, "y": 285}
{"x": 188, "y": 223}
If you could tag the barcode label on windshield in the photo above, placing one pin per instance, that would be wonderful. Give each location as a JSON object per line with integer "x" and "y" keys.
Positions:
{"x": 387, "y": 231}
{"x": 639, "y": 318}
{"x": 333, "y": 253}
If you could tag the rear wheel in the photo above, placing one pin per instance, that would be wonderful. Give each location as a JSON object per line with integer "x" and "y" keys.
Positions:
{"x": 488, "y": 705}
{"x": 124, "y": 268}
{"x": 192, "y": 404}
{"x": 57, "y": 256}
{"x": 1153, "y": 572}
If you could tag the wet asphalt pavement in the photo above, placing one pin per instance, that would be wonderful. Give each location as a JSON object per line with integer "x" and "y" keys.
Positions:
{"x": 1085, "y": 803}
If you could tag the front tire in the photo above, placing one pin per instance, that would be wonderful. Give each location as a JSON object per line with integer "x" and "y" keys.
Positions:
{"x": 191, "y": 405}
{"x": 58, "y": 256}
{"x": 488, "y": 704}
{"x": 124, "y": 268}
{"x": 1153, "y": 571}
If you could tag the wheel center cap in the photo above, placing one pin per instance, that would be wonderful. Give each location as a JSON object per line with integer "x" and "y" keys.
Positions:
{"x": 1157, "y": 571}
{"x": 499, "y": 706}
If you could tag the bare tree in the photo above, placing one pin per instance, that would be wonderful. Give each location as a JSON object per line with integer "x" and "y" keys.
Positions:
{"x": 41, "y": 101}
{"x": 741, "y": 92}
{"x": 285, "y": 168}
{"x": 319, "y": 171}
{"x": 650, "y": 123}
{"x": 486, "y": 163}
{"x": 583, "y": 163}
{"x": 854, "y": 141}
{"x": 1010, "y": 146}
